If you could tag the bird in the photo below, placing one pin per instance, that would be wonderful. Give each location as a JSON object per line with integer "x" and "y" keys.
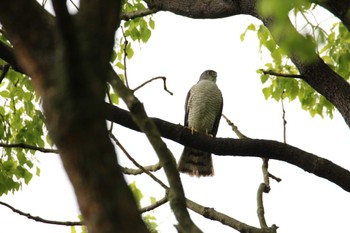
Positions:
{"x": 203, "y": 109}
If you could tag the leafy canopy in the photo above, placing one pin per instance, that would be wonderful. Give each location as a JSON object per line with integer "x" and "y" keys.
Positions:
{"x": 333, "y": 48}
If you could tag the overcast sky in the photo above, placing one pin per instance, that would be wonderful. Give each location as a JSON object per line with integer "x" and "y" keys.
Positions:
{"x": 181, "y": 49}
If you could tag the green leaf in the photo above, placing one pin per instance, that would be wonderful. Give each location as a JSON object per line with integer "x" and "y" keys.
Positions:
{"x": 267, "y": 91}
{"x": 137, "y": 193}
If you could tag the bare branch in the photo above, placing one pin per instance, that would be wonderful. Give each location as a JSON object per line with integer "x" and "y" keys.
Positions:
{"x": 152, "y": 79}
{"x": 154, "y": 205}
{"x": 212, "y": 214}
{"x": 275, "y": 178}
{"x": 284, "y": 120}
{"x": 271, "y": 72}
{"x": 39, "y": 219}
{"x": 260, "y": 211}
{"x": 30, "y": 147}
{"x": 137, "y": 164}
{"x": 241, "y": 147}
{"x": 234, "y": 128}
{"x": 125, "y": 55}
{"x": 131, "y": 171}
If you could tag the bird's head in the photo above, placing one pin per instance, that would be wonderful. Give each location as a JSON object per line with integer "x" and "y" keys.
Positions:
{"x": 208, "y": 75}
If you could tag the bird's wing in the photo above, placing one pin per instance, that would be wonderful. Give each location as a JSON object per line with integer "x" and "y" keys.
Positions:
{"x": 187, "y": 108}
{"x": 217, "y": 119}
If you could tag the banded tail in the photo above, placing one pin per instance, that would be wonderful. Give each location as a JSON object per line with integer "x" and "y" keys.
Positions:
{"x": 196, "y": 162}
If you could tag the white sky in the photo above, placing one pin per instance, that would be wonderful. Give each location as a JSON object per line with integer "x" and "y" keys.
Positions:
{"x": 181, "y": 49}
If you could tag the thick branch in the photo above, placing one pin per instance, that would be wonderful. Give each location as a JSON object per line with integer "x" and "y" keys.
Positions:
{"x": 196, "y": 9}
{"x": 242, "y": 147}
{"x": 32, "y": 55}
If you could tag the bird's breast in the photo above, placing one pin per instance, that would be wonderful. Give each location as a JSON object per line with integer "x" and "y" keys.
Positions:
{"x": 204, "y": 105}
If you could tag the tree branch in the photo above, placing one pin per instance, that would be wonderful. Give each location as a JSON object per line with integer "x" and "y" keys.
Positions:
{"x": 241, "y": 147}
{"x": 131, "y": 171}
{"x": 39, "y": 219}
{"x": 30, "y": 147}
{"x": 154, "y": 205}
{"x": 212, "y": 214}
{"x": 137, "y": 164}
{"x": 271, "y": 72}
{"x": 152, "y": 79}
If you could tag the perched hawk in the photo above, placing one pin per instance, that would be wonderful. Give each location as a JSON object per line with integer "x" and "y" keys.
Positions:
{"x": 203, "y": 112}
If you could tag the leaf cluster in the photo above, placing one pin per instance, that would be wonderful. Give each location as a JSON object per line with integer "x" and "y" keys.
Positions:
{"x": 335, "y": 52}
{"x": 135, "y": 31}
{"x": 21, "y": 121}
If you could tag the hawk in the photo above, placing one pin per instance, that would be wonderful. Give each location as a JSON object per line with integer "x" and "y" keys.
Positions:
{"x": 203, "y": 110}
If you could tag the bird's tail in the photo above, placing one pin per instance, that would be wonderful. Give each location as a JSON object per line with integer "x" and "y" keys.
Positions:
{"x": 196, "y": 162}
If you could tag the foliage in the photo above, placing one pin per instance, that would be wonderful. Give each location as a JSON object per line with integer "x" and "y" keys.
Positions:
{"x": 21, "y": 121}
{"x": 135, "y": 31}
{"x": 333, "y": 48}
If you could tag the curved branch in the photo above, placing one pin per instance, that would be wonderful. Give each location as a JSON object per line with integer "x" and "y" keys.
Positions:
{"x": 212, "y": 214}
{"x": 241, "y": 147}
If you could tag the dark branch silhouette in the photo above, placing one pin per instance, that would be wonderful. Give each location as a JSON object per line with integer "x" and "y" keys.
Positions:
{"x": 39, "y": 219}
{"x": 241, "y": 147}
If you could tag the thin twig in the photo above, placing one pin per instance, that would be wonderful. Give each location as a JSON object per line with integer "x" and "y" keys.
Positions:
{"x": 30, "y": 147}
{"x": 271, "y": 72}
{"x": 284, "y": 120}
{"x": 275, "y": 178}
{"x": 39, "y": 219}
{"x": 266, "y": 174}
{"x": 131, "y": 171}
{"x": 137, "y": 164}
{"x": 260, "y": 210}
{"x": 234, "y": 128}
{"x": 154, "y": 205}
{"x": 125, "y": 56}
{"x": 72, "y": 2}
{"x": 152, "y": 79}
